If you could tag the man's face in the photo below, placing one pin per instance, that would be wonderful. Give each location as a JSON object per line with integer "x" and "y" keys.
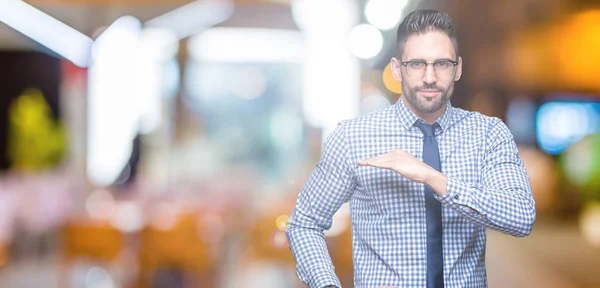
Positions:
{"x": 427, "y": 92}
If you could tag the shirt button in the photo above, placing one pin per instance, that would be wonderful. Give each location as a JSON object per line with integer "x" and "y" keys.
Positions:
{"x": 456, "y": 197}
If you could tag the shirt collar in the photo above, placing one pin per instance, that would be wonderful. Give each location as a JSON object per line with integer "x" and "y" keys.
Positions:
{"x": 408, "y": 118}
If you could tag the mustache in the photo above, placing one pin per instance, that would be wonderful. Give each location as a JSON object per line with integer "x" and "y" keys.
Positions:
{"x": 430, "y": 87}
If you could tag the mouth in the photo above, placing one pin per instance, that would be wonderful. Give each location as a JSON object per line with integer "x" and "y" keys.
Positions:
{"x": 429, "y": 93}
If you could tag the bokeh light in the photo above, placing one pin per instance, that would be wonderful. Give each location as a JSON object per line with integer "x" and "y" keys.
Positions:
{"x": 281, "y": 222}
{"x": 127, "y": 217}
{"x": 164, "y": 216}
{"x": 576, "y": 43}
{"x": 562, "y": 123}
{"x": 100, "y": 204}
{"x": 98, "y": 277}
{"x": 279, "y": 239}
{"x": 543, "y": 177}
{"x": 384, "y": 14}
{"x": 365, "y": 41}
{"x": 581, "y": 165}
{"x": 390, "y": 82}
{"x": 589, "y": 223}
{"x": 373, "y": 100}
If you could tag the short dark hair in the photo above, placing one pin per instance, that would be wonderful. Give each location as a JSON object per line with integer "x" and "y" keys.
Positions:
{"x": 423, "y": 21}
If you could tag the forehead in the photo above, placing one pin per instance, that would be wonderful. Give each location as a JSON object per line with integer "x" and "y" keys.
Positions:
{"x": 430, "y": 46}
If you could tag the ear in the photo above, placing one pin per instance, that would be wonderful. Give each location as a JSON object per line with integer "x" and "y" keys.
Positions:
{"x": 396, "y": 66}
{"x": 458, "y": 69}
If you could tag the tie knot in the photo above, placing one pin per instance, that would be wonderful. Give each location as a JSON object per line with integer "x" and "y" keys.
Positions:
{"x": 428, "y": 130}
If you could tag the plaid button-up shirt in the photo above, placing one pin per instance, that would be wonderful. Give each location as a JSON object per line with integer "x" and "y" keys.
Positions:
{"x": 487, "y": 187}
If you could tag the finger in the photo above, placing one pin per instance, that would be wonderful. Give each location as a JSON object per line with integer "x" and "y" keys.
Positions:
{"x": 375, "y": 159}
{"x": 381, "y": 163}
{"x": 369, "y": 162}
{"x": 382, "y": 157}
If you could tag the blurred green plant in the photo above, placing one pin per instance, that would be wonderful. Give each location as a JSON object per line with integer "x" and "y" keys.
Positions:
{"x": 35, "y": 140}
{"x": 581, "y": 166}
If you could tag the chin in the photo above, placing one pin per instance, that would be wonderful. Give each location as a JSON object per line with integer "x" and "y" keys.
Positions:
{"x": 430, "y": 105}
{"x": 427, "y": 109}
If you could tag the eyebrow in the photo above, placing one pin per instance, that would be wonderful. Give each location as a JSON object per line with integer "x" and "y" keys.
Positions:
{"x": 423, "y": 60}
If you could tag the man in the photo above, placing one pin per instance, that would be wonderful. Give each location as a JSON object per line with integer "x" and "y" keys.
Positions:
{"x": 424, "y": 179}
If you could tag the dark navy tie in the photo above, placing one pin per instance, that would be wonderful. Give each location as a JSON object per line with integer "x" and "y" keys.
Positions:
{"x": 435, "y": 263}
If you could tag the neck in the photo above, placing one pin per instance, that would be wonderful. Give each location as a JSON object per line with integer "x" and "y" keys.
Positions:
{"x": 428, "y": 117}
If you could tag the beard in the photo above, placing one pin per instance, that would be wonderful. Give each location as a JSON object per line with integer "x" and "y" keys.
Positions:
{"x": 424, "y": 105}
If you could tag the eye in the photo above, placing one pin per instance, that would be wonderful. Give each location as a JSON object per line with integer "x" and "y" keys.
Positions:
{"x": 416, "y": 65}
{"x": 443, "y": 64}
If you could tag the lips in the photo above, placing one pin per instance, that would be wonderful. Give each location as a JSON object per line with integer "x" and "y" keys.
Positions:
{"x": 429, "y": 92}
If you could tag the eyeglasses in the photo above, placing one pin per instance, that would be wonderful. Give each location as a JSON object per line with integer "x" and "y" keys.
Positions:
{"x": 417, "y": 68}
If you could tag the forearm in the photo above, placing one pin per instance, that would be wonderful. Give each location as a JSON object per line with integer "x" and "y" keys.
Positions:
{"x": 313, "y": 263}
{"x": 510, "y": 211}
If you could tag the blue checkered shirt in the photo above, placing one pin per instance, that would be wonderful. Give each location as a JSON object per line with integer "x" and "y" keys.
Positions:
{"x": 487, "y": 187}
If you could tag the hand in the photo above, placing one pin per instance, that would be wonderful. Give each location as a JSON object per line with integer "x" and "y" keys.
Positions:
{"x": 402, "y": 163}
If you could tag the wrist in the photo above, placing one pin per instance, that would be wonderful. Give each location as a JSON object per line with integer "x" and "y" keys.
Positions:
{"x": 431, "y": 176}
{"x": 437, "y": 181}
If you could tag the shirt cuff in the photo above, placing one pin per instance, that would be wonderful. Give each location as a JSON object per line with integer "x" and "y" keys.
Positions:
{"x": 323, "y": 277}
{"x": 458, "y": 193}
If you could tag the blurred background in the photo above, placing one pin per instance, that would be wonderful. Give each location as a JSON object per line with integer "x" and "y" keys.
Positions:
{"x": 154, "y": 143}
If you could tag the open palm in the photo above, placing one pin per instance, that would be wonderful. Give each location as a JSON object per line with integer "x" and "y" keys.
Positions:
{"x": 402, "y": 163}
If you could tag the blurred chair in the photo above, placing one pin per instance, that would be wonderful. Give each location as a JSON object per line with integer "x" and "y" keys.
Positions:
{"x": 178, "y": 250}
{"x": 98, "y": 242}
{"x": 267, "y": 260}
{"x": 269, "y": 243}
{"x": 3, "y": 254}
{"x": 265, "y": 235}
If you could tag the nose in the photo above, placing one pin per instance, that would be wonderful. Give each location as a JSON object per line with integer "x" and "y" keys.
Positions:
{"x": 429, "y": 76}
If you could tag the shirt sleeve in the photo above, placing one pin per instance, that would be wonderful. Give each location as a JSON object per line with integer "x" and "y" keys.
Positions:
{"x": 330, "y": 185}
{"x": 502, "y": 201}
